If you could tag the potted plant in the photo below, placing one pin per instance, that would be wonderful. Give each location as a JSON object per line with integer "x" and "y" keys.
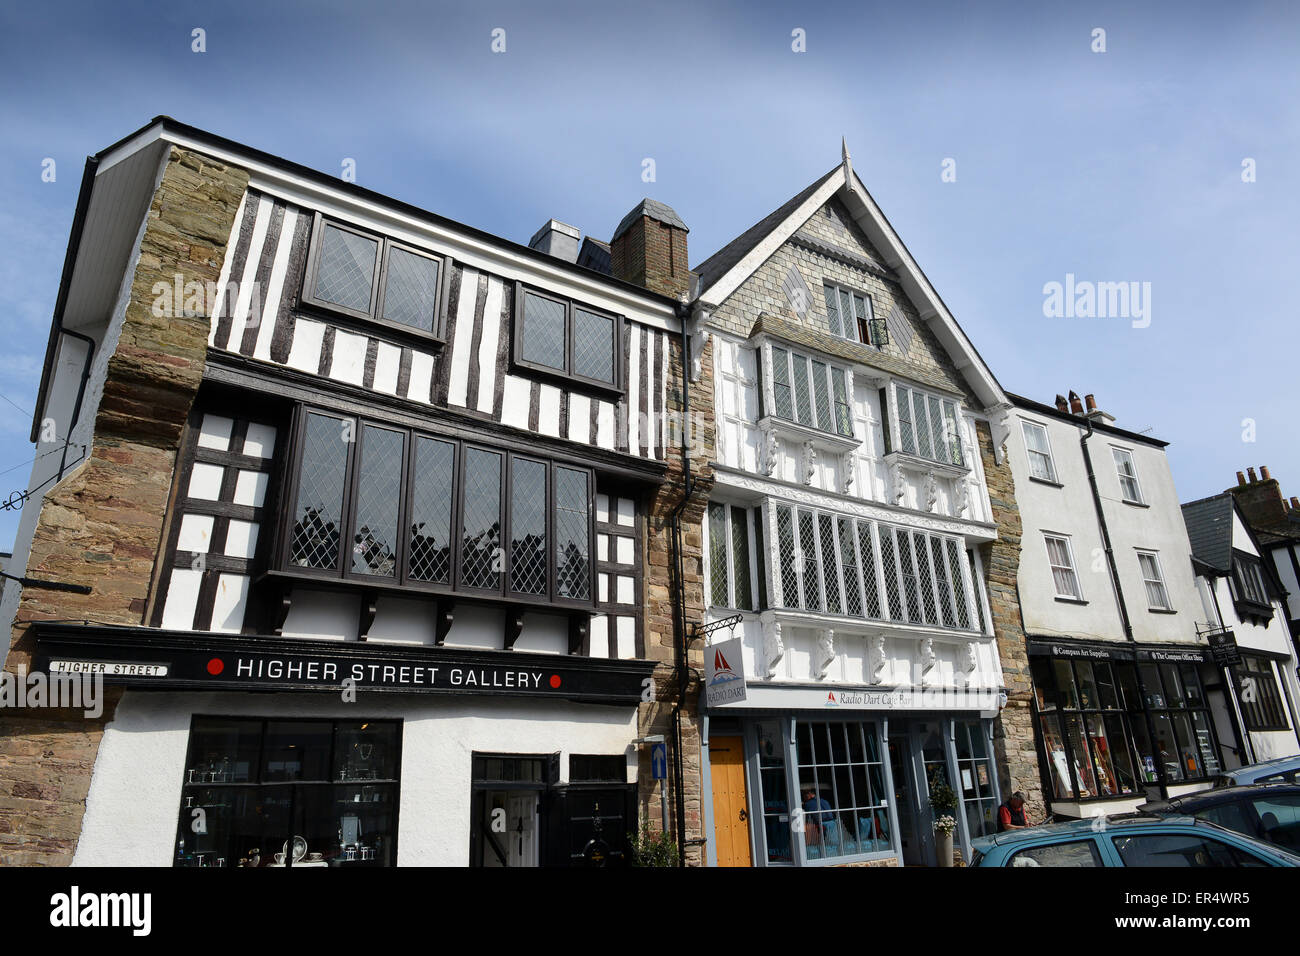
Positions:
{"x": 943, "y": 801}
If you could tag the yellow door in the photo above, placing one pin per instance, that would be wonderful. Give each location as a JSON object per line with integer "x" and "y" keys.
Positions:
{"x": 730, "y": 809}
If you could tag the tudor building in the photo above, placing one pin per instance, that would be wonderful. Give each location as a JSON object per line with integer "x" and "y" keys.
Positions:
{"x": 399, "y": 473}
{"x": 853, "y": 547}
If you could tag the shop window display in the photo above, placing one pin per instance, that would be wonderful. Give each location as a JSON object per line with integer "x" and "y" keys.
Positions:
{"x": 289, "y": 793}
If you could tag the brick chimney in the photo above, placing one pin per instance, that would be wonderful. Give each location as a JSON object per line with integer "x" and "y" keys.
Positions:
{"x": 1260, "y": 500}
{"x": 649, "y": 249}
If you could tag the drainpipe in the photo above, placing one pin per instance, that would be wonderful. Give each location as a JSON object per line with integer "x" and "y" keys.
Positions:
{"x": 1162, "y": 782}
{"x": 680, "y": 636}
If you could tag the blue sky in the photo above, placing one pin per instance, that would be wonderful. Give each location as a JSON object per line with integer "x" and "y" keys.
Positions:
{"x": 1116, "y": 166}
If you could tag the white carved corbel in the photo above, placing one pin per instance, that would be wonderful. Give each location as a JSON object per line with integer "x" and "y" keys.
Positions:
{"x": 931, "y": 490}
{"x": 769, "y": 452}
{"x": 849, "y": 467}
{"x": 896, "y": 483}
{"x": 773, "y": 646}
{"x": 1000, "y": 430}
{"x": 928, "y": 658}
{"x": 825, "y": 652}
{"x": 969, "y": 661}
{"x": 809, "y": 462}
{"x": 963, "y": 497}
{"x": 876, "y": 660}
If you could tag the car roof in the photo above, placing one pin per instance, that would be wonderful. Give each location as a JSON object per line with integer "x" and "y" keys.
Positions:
{"x": 1207, "y": 798}
{"x": 1265, "y": 766}
{"x": 1114, "y": 821}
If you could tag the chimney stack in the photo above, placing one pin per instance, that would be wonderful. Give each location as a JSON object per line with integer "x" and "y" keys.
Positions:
{"x": 1076, "y": 406}
{"x": 1095, "y": 413}
{"x": 649, "y": 249}
{"x": 1260, "y": 500}
{"x": 557, "y": 239}
{"x": 1061, "y": 404}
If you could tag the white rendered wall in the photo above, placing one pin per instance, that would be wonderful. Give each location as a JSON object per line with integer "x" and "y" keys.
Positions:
{"x": 134, "y": 802}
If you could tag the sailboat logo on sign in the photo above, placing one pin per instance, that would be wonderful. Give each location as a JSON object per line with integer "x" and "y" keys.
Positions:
{"x": 724, "y": 684}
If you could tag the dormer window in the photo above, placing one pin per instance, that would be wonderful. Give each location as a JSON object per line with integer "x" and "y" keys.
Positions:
{"x": 851, "y": 316}
{"x": 367, "y": 276}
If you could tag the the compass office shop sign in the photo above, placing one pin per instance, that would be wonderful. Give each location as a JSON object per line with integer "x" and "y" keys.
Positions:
{"x": 724, "y": 673}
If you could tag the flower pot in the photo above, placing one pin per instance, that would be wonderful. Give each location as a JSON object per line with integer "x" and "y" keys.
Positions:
{"x": 943, "y": 847}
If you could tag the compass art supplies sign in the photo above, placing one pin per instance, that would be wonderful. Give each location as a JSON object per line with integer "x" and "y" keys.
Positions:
{"x": 724, "y": 673}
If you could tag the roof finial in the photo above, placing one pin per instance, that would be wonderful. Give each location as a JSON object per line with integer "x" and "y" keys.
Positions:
{"x": 848, "y": 163}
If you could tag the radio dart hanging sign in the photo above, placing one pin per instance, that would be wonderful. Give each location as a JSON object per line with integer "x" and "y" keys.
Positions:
{"x": 724, "y": 673}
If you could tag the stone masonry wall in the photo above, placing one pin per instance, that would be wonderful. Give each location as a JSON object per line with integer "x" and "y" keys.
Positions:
{"x": 1013, "y": 731}
{"x": 103, "y": 525}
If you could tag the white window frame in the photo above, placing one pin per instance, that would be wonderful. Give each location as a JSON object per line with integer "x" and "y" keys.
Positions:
{"x": 754, "y": 542}
{"x": 1072, "y": 567}
{"x": 896, "y": 430}
{"x": 1158, "y": 580}
{"x": 826, "y": 387}
{"x": 849, "y": 333}
{"x": 1030, "y": 451}
{"x": 1116, "y": 453}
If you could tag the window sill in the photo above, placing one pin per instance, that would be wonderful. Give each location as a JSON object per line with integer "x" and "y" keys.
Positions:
{"x": 1070, "y": 600}
{"x": 1047, "y": 481}
{"x": 566, "y": 381}
{"x": 924, "y": 465}
{"x": 1135, "y": 504}
{"x": 1161, "y": 610}
{"x": 793, "y": 431}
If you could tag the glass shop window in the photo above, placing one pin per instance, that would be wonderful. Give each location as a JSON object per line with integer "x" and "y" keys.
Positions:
{"x": 842, "y": 790}
{"x": 272, "y": 793}
{"x": 772, "y": 784}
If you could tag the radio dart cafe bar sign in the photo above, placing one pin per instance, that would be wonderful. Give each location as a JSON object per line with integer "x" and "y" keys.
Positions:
{"x": 149, "y": 657}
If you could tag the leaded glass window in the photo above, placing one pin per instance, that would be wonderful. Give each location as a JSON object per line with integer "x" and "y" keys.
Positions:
{"x": 345, "y": 274}
{"x": 543, "y": 338}
{"x": 740, "y": 565}
{"x": 480, "y": 537}
{"x": 593, "y": 345}
{"x": 785, "y": 542}
{"x": 572, "y": 536}
{"x": 528, "y": 526}
{"x": 411, "y": 289}
{"x": 810, "y": 392}
{"x": 379, "y": 488}
{"x": 927, "y": 426}
{"x": 812, "y": 587}
{"x": 826, "y": 525}
{"x": 718, "y": 554}
{"x": 318, "y": 513}
{"x": 431, "y": 510}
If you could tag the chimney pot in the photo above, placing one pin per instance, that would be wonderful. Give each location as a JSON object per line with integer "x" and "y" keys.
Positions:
{"x": 1251, "y": 472}
{"x": 1295, "y": 503}
{"x": 1061, "y": 404}
{"x": 1241, "y": 479}
{"x": 1091, "y": 402}
{"x": 1263, "y": 472}
{"x": 1076, "y": 406}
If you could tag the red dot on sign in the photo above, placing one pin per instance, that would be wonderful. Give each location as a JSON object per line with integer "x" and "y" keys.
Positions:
{"x": 216, "y": 666}
{"x": 555, "y": 680}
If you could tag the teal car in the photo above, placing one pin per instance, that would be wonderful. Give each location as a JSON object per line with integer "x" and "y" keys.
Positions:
{"x": 1128, "y": 840}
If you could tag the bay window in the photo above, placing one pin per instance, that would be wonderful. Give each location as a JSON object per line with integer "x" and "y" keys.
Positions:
{"x": 432, "y": 512}
{"x": 730, "y": 566}
{"x": 927, "y": 426}
{"x": 810, "y": 392}
{"x": 837, "y": 564}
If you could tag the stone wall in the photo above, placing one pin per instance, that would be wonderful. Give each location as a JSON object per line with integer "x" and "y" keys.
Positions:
{"x": 660, "y": 607}
{"x": 102, "y": 525}
{"x": 1013, "y": 732}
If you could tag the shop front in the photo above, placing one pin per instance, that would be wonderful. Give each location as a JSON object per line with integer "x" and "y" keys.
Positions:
{"x": 264, "y": 752}
{"x": 845, "y": 776}
{"x": 1118, "y": 724}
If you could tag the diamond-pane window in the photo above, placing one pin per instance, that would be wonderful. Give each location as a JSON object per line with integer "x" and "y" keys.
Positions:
{"x": 781, "y": 384}
{"x": 922, "y": 421}
{"x": 593, "y": 345}
{"x": 785, "y": 543}
{"x": 905, "y": 436}
{"x": 528, "y": 527}
{"x": 944, "y": 581}
{"x": 958, "y": 579}
{"x": 942, "y": 450}
{"x": 889, "y": 562}
{"x": 924, "y": 578}
{"x": 740, "y": 568}
{"x": 975, "y": 591}
{"x": 718, "y": 554}
{"x": 318, "y": 513}
{"x": 812, "y": 587}
{"x": 430, "y": 518}
{"x": 826, "y": 524}
{"x": 869, "y": 584}
{"x": 346, "y": 273}
{"x": 849, "y": 564}
{"x": 410, "y": 289}
{"x": 543, "y": 331}
{"x": 572, "y": 540}
{"x": 822, "y": 397}
{"x": 480, "y": 558}
{"x": 832, "y": 309}
{"x": 843, "y": 409}
{"x": 801, "y": 397}
{"x": 379, "y": 491}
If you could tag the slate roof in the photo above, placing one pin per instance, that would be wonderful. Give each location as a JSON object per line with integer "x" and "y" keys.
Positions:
{"x": 655, "y": 210}
{"x": 1209, "y": 528}
{"x": 716, "y": 266}
{"x": 594, "y": 254}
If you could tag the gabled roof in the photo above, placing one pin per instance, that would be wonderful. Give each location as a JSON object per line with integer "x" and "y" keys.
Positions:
{"x": 723, "y": 272}
{"x": 713, "y": 268}
{"x": 1209, "y": 529}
